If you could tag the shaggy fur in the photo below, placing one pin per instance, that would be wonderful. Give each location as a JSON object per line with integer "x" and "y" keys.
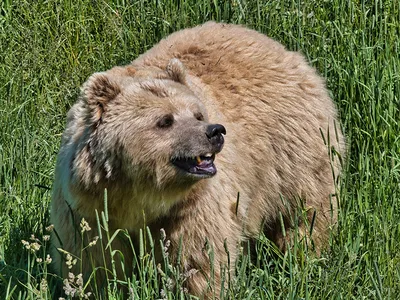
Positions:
{"x": 131, "y": 122}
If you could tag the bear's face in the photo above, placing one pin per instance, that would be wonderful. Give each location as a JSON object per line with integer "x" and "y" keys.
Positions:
{"x": 150, "y": 129}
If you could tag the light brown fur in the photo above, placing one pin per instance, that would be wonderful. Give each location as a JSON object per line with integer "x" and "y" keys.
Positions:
{"x": 274, "y": 108}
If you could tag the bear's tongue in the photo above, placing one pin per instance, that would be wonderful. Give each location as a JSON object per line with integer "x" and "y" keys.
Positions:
{"x": 205, "y": 166}
{"x": 199, "y": 165}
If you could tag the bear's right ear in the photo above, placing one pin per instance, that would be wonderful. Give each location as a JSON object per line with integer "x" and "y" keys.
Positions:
{"x": 98, "y": 91}
{"x": 176, "y": 71}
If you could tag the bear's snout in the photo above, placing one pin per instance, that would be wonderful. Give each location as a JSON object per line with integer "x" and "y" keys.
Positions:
{"x": 214, "y": 134}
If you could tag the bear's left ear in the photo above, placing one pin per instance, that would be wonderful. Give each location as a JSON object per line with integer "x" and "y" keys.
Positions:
{"x": 98, "y": 91}
{"x": 176, "y": 71}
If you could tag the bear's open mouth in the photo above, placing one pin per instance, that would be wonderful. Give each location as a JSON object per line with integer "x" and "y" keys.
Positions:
{"x": 202, "y": 165}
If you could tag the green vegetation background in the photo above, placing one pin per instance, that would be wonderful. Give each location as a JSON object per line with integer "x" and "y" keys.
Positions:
{"x": 49, "y": 48}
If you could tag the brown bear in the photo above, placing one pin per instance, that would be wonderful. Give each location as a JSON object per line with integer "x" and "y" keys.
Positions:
{"x": 215, "y": 134}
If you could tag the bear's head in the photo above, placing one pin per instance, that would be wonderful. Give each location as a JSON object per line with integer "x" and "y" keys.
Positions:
{"x": 142, "y": 127}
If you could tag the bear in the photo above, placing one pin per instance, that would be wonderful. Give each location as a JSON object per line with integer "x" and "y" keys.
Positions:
{"x": 213, "y": 136}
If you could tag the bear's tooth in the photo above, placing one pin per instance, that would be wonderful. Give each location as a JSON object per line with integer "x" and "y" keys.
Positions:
{"x": 208, "y": 155}
{"x": 198, "y": 159}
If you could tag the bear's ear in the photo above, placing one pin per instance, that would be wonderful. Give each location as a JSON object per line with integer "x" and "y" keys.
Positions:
{"x": 176, "y": 71}
{"x": 98, "y": 91}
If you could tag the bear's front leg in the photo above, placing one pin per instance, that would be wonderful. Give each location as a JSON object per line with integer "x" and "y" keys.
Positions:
{"x": 209, "y": 238}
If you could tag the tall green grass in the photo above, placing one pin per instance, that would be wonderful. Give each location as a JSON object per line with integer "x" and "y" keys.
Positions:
{"x": 49, "y": 48}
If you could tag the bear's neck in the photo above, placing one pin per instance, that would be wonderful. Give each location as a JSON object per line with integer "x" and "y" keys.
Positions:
{"x": 131, "y": 209}
{"x": 143, "y": 207}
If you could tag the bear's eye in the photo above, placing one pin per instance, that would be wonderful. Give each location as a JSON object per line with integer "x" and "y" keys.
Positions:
{"x": 166, "y": 121}
{"x": 199, "y": 116}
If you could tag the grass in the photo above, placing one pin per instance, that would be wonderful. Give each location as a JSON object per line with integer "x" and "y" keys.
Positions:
{"x": 49, "y": 48}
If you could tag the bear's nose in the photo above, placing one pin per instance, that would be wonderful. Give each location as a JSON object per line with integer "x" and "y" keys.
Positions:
{"x": 215, "y": 133}
{"x": 214, "y": 130}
